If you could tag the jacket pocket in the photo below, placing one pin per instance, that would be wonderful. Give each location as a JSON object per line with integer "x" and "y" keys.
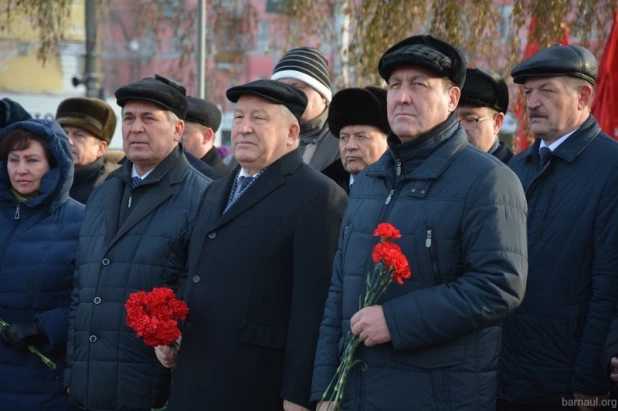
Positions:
{"x": 261, "y": 335}
{"x": 434, "y": 357}
{"x": 430, "y": 245}
{"x": 546, "y": 211}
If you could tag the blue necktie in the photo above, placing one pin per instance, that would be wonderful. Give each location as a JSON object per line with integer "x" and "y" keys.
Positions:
{"x": 135, "y": 181}
{"x": 243, "y": 183}
{"x": 544, "y": 155}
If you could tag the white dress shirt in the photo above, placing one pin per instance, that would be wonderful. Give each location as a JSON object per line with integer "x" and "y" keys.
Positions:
{"x": 556, "y": 143}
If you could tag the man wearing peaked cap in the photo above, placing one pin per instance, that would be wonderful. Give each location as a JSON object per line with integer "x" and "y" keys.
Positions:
{"x": 358, "y": 117}
{"x": 135, "y": 236}
{"x": 306, "y": 68}
{"x": 483, "y": 104}
{"x": 552, "y": 345}
{"x": 260, "y": 266}
{"x": 458, "y": 210}
{"x": 201, "y": 123}
{"x": 90, "y": 124}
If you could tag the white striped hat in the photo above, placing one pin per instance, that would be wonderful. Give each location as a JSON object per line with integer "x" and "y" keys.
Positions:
{"x": 306, "y": 64}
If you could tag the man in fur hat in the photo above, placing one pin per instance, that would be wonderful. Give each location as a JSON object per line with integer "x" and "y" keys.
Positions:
{"x": 89, "y": 124}
{"x": 357, "y": 116}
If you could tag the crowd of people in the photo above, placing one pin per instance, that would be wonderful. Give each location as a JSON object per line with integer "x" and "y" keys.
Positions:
{"x": 514, "y": 257}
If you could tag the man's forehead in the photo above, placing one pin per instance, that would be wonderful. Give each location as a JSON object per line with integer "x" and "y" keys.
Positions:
{"x": 544, "y": 81}
{"x": 410, "y": 71}
{"x": 468, "y": 110}
{"x": 358, "y": 129}
{"x": 141, "y": 106}
{"x": 249, "y": 102}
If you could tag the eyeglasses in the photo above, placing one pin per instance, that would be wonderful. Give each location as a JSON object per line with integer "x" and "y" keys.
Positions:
{"x": 471, "y": 123}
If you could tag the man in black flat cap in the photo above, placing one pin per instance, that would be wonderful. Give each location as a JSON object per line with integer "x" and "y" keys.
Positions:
{"x": 357, "y": 116}
{"x": 483, "y": 104}
{"x": 90, "y": 124}
{"x": 431, "y": 343}
{"x": 259, "y": 266}
{"x": 135, "y": 236}
{"x": 552, "y": 345}
{"x": 201, "y": 123}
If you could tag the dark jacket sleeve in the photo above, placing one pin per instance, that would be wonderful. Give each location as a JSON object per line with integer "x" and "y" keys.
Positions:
{"x": 611, "y": 348}
{"x": 55, "y": 321}
{"x": 327, "y": 352}
{"x": 588, "y": 376}
{"x": 494, "y": 246}
{"x": 315, "y": 244}
{"x": 70, "y": 329}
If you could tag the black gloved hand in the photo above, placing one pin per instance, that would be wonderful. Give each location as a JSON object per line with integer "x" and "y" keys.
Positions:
{"x": 19, "y": 336}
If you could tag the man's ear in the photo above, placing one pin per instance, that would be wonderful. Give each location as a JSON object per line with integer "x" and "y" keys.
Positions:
{"x": 293, "y": 134}
{"x": 454, "y": 93}
{"x": 209, "y": 135}
{"x": 102, "y": 148}
{"x": 498, "y": 120}
{"x": 179, "y": 130}
{"x": 585, "y": 96}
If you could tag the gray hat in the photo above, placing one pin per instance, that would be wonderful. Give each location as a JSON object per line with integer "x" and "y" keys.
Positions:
{"x": 558, "y": 60}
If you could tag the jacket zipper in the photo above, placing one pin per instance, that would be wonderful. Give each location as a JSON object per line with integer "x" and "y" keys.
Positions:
{"x": 384, "y": 214}
{"x": 433, "y": 257}
{"x": 11, "y": 234}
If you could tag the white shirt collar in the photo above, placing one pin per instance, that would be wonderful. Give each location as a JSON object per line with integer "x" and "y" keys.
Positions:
{"x": 134, "y": 173}
{"x": 556, "y": 143}
{"x": 351, "y": 179}
{"x": 243, "y": 173}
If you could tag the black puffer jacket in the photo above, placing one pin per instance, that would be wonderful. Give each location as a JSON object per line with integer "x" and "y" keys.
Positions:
{"x": 108, "y": 367}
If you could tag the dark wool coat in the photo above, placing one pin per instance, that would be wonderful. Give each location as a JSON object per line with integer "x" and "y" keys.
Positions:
{"x": 258, "y": 278}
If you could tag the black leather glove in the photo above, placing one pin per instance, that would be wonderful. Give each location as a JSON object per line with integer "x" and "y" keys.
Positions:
{"x": 19, "y": 336}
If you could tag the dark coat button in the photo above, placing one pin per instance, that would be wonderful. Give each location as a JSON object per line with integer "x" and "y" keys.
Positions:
{"x": 93, "y": 338}
{"x": 97, "y": 300}
{"x": 196, "y": 279}
{"x": 105, "y": 261}
{"x": 188, "y": 326}
{"x": 212, "y": 236}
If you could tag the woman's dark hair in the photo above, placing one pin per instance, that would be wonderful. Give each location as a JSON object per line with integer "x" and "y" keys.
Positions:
{"x": 20, "y": 139}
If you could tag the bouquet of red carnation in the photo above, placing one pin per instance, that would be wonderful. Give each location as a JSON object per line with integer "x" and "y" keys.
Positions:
{"x": 390, "y": 265}
{"x": 154, "y": 316}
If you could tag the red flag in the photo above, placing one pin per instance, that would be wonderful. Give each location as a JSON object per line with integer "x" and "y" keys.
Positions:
{"x": 523, "y": 137}
{"x": 605, "y": 104}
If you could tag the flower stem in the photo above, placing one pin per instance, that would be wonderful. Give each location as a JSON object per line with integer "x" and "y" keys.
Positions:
{"x": 50, "y": 364}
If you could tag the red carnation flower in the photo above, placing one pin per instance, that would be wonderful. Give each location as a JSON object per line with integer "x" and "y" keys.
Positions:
{"x": 154, "y": 316}
{"x": 386, "y": 231}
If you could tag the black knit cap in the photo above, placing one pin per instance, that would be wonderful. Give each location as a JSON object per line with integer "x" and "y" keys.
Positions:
{"x": 358, "y": 107}
{"x": 428, "y": 52}
{"x": 273, "y": 91}
{"x": 484, "y": 88}
{"x": 306, "y": 64}
{"x": 203, "y": 112}
{"x": 159, "y": 90}
{"x": 12, "y": 112}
